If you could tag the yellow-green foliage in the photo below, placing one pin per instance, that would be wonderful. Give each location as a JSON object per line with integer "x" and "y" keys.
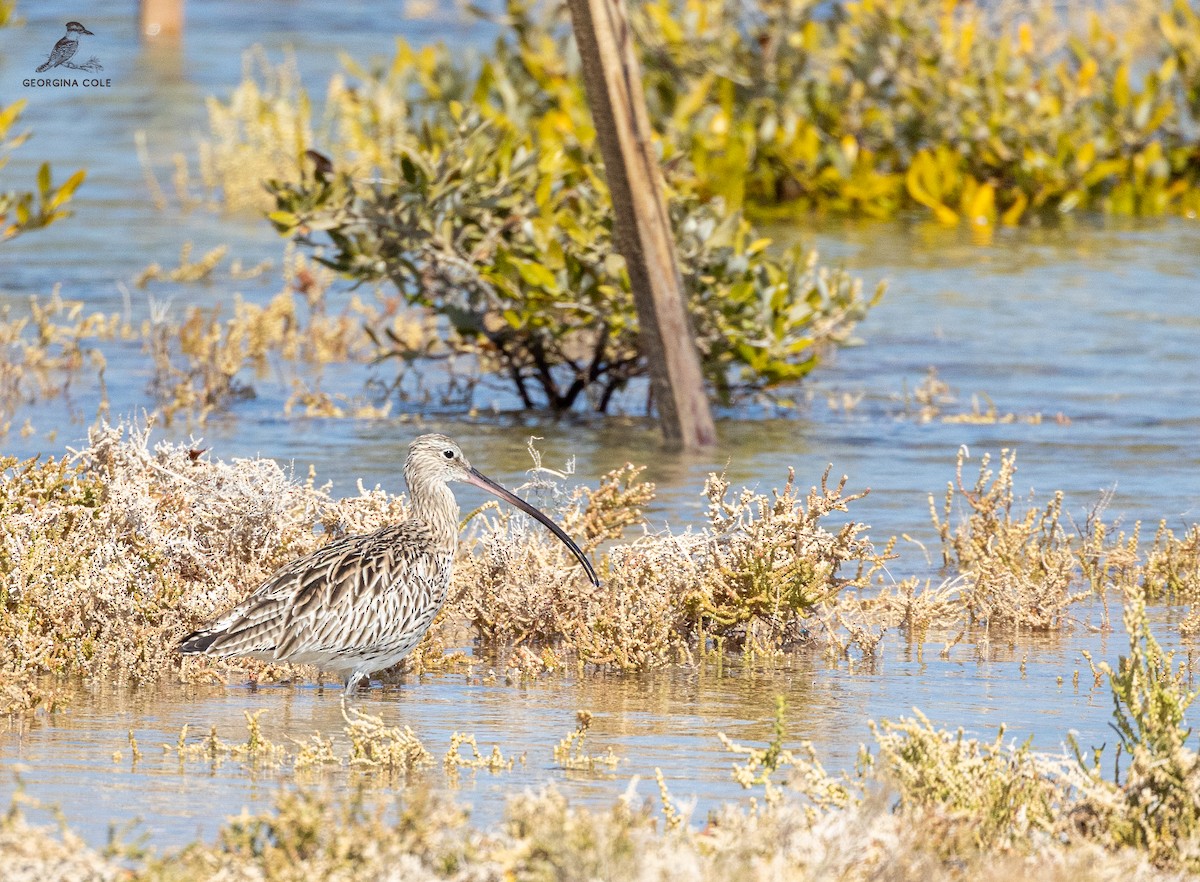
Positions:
{"x": 314, "y": 835}
{"x": 990, "y": 113}
{"x": 992, "y": 795}
{"x": 21, "y": 212}
{"x": 1157, "y": 808}
{"x": 996, "y": 113}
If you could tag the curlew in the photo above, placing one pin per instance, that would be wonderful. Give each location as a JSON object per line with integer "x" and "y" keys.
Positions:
{"x": 360, "y": 604}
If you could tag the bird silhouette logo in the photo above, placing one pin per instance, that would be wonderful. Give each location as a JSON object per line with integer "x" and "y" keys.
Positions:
{"x": 65, "y": 49}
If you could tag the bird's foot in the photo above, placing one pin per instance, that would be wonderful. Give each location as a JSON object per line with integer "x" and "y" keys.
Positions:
{"x": 352, "y": 683}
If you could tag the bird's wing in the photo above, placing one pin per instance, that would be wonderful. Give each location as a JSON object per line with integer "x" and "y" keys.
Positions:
{"x": 325, "y": 600}
{"x": 63, "y": 50}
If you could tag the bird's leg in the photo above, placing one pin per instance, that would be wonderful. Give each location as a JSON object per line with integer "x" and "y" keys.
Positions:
{"x": 352, "y": 682}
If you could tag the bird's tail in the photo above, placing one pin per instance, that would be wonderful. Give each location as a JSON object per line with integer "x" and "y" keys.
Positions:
{"x": 43, "y": 67}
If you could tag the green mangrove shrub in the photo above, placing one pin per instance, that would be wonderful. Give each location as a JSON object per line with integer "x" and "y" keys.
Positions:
{"x": 990, "y": 113}
{"x": 994, "y": 114}
{"x": 508, "y": 238}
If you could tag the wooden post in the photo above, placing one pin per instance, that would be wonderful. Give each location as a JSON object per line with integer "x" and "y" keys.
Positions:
{"x": 643, "y": 228}
{"x": 160, "y": 18}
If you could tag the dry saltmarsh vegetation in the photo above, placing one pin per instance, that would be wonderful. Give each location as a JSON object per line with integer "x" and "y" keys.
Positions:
{"x": 109, "y": 557}
{"x": 205, "y": 359}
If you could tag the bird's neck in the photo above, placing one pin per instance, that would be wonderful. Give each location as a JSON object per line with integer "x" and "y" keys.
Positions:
{"x": 434, "y": 505}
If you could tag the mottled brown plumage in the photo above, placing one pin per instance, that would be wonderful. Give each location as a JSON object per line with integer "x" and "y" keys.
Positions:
{"x": 360, "y": 604}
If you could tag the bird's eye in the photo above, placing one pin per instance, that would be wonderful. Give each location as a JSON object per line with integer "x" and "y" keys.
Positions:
{"x": 449, "y": 454}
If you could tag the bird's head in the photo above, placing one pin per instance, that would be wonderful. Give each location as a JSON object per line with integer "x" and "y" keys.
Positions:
{"x": 436, "y": 458}
{"x": 74, "y": 27}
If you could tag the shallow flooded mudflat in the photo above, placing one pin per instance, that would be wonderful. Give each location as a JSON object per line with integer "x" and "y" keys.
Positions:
{"x": 81, "y": 760}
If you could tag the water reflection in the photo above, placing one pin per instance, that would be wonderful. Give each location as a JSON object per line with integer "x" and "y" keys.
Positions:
{"x": 664, "y": 720}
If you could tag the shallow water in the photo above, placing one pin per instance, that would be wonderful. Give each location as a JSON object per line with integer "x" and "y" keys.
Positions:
{"x": 1093, "y": 321}
{"x": 665, "y": 720}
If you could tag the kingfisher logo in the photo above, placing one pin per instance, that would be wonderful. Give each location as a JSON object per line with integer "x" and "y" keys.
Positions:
{"x": 65, "y": 59}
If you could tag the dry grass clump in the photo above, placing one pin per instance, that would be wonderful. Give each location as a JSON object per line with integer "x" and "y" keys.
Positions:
{"x": 44, "y": 351}
{"x": 260, "y": 133}
{"x": 746, "y": 580}
{"x": 257, "y": 749}
{"x": 806, "y": 776}
{"x": 569, "y": 753}
{"x": 1021, "y": 568}
{"x": 374, "y": 743}
{"x": 1025, "y": 571}
{"x": 366, "y": 744}
{"x": 455, "y": 759}
{"x": 188, "y": 270}
{"x": 206, "y": 360}
{"x": 933, "y": 399}
{"x": 201, "y": 363}
{"x": 1014, "y": 569}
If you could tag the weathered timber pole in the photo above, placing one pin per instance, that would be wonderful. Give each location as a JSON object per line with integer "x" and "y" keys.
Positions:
{"x": 643, "y": 228}
{"x": 161, "y": 18}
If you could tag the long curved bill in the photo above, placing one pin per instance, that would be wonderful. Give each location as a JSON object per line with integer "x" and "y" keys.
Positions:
{"x": 483, "y": 482}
